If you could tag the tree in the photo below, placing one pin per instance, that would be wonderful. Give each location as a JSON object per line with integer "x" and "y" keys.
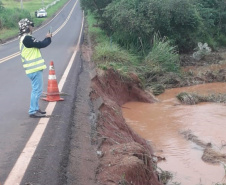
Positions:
{"x": 137, "y": 21}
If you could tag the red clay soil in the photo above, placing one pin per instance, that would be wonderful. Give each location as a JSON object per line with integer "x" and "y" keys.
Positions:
{"x": 125, "y": 158}
{"x": 110, "y": 85}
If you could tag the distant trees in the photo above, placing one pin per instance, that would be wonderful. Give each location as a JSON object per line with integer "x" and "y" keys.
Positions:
{"x": 132, "y": 23}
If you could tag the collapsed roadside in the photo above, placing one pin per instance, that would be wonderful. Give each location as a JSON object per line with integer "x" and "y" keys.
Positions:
{"x": 109, "y": 151}
{"x": 118, "y": 154}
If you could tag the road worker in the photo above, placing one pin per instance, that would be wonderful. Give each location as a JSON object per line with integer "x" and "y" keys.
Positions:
{"x": 33, "y": 63}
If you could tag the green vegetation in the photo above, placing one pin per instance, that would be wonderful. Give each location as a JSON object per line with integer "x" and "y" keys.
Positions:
{"x": 163, "y": 54}
{"x": 108, "y": 54}
{"x": 145, "y": 37}
{"x": 10, "y": 14}
{"x": 133, "y": 23}
{"x": 161, "y": 60}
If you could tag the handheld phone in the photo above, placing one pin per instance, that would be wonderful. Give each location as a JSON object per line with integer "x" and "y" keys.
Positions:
{"x": 50, "y": 29}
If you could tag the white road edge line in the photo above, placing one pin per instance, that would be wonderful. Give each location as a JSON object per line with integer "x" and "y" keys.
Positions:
{"x": 20, "y": 167}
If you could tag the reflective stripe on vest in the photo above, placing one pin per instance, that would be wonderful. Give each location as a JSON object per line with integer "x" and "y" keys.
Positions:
{"x": 32, "y": 65}
{"x": 31, "y": 58}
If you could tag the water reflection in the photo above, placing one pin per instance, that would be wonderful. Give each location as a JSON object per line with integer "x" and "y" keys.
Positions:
{"x": 162, "y": 122}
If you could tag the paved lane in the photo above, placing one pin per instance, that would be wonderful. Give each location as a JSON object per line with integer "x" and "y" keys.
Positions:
{"x": 15, "y": 125}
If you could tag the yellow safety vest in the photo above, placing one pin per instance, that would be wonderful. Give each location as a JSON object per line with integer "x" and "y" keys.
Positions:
{"x": 31, "y": 58}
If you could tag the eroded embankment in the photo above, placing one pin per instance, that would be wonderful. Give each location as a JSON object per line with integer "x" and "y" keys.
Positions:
{"x": 125, "y": 158}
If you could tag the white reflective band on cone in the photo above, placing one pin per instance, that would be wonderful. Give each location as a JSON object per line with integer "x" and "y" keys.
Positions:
{"x": 51, "y": 68}
{"x": 52, "y": 77}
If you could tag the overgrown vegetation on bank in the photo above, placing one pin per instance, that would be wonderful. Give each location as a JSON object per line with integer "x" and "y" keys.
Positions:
{"x": 146, "y": 37}
{"x": 161, "y": 60}
{"x": 133, "y": 23}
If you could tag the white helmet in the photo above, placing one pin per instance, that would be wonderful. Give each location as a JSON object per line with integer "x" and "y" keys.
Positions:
{"x": 24, "y": 26}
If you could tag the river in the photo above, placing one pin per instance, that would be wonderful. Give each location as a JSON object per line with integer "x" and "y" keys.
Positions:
{"x": 163, "y": 122}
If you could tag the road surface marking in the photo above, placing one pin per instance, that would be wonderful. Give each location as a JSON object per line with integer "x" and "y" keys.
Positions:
{"x": 54, "y": 33}
{"x": 43, "y": 25}
{"x": 9, "y": 57}
{"x": 65, "y": 22}
{"x": 16, "y": 175}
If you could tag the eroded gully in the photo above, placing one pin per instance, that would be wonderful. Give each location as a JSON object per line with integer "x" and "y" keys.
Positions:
{"x": 163, "y": 122}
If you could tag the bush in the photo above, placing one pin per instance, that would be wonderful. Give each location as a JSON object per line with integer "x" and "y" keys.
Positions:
{"x": 179, "y": 21}
{"x": 163, "y": 54}
{"x": 129, "y": 23}
{"x": 221, "y": 39}
{"x": 213, "y": 14}
{"x": 135, "y": 22}
{"x": 132, "y": 23}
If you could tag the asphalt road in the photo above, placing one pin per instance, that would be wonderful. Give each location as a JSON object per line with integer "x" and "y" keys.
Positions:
{"x": 49, "y": 161}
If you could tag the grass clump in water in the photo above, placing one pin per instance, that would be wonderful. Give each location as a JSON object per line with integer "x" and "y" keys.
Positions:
{"x": 165, "y": 176}
{"x": 194, "y": 98}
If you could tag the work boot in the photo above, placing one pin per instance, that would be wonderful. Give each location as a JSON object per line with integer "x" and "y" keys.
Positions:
{"x": 42, "y": 112}
{"x": 37, "y": 115}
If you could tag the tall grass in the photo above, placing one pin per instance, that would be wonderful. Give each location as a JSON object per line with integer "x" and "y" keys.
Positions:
{"x": 97, "y": 34}
{"x": 163, "y": 54}
{"x": 108, "y": 54}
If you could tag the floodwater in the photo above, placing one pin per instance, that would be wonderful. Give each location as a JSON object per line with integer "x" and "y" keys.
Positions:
{"x": 161, "y": 123}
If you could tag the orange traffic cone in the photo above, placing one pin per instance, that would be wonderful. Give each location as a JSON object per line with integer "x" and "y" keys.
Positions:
{"x": 52, "y": 90}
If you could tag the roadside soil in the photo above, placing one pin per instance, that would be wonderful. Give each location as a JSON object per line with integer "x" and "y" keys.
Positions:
{"x": 125, "y": 157}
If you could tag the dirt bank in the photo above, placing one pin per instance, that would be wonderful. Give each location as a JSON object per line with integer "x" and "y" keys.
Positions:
{"x": 210, "y": 68}
{"x": 124, "y": 157}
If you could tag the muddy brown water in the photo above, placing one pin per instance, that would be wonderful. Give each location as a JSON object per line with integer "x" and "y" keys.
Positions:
{"x": 161, "y": 123}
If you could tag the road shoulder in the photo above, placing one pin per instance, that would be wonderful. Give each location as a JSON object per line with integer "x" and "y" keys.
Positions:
{"x": 83, "y": 160}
